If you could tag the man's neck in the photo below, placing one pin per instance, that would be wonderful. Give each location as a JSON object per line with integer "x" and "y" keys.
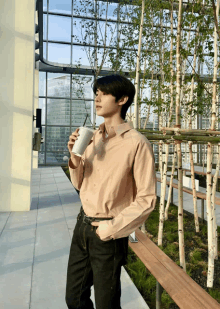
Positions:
{"x": 108, "y": 126}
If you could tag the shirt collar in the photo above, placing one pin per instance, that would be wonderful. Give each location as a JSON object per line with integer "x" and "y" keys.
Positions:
{"x": 118, "y": 129}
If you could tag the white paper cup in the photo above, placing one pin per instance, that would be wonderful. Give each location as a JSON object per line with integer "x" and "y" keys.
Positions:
{"x": 85, "y": 136}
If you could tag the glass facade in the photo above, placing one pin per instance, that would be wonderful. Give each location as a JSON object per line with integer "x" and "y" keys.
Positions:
{"x": 76, "y": 33}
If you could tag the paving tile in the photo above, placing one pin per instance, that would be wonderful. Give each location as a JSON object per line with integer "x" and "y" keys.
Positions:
{"x": 61, "y": 179}
{"x": 47, "y": 176}
{"x": 15, "y": 285}
{"x": 64, "y": 186}
{"x": 69, "y": 197}
{"x": 48, "y": 188}
{"x": 49, "y": 201}
{"x": 49, "y": 281}
{"x": 45, "y": 181}
{"x": 52, "y": 241}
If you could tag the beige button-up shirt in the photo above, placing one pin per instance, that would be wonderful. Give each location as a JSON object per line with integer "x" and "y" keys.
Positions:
{"x": 116, "y": 178}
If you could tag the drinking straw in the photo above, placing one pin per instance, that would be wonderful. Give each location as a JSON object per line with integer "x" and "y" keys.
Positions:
{"x": 85, "y": 120}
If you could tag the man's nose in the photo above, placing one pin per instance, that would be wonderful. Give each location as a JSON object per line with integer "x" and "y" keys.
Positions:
{"x": 97, "y": 98}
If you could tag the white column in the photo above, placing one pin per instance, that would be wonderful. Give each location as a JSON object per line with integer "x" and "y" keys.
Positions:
{"x": 17, "y": 62}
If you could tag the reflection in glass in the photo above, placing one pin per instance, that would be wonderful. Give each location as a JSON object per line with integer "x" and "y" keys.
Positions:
{"x": 79, "y": 110}
{"x": 58, "y": 85}
{"x": 58, "y": 111}
{"x": 57, "y": 139}
{"x": 41, "y": 158}
{"x": 82, "y": 86}
{"x": 57, "y": 158}
{"x": 42, "y": 147}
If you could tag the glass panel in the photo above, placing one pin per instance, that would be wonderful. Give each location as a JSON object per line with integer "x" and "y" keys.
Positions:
{"x": 127, "y": 32}
{"x": 42, "y": 147}
{"x": 58, "y": 111}
{"x": 79, "y": 110}
{"x": 45, "y": 50}
{"x": 42, "y": 84}
{"x": 111, "y": 10}
{"x": 44, "y": 5}
{"x": 42, "y": 105}
{"x": 44, "y": 26}
{"x": 57, "y": 6}
{"x": 59, "y": 53}
{"x": 83, "y": 55}
{"x": 83, "y": 8}
{"x": 41, "y": 158}
{"x": 58, "y": 85}
{"x": 126, "y": 12}
{"x": 57, "y": 139}
{"x": 78, "y": 33}
{"x": 59, "y": 28}
{"x": 57, "y": 157}
{"x": 82, "y": 86}
{"x": 111, "y": 33}
{"x": 108, "y": 54}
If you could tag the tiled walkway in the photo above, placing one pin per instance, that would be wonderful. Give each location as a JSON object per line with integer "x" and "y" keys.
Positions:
{"x": 34, "y": 248}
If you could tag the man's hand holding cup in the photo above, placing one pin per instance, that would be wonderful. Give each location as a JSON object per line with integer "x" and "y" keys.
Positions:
{"x": 85, "y": 140}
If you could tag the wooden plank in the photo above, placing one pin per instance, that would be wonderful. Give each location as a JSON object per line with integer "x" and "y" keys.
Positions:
{"x": 187, "y": 190}
{"x": 198, "y": 172}
{"x": 175, "y": 269}
{"x": 182, "y": 289}
{"x": 181, "y": 295}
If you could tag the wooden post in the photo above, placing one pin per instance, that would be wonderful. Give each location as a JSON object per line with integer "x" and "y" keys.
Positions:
{"x": 202, "y": 209}
{"x": 172, "y": 196}
{"x": 159, "y": 291}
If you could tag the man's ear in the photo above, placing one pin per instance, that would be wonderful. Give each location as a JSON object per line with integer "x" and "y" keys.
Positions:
{"x": 124, "y": 99}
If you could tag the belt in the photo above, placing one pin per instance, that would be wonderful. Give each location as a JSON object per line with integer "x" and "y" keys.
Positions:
{"x": 88, "y": 220}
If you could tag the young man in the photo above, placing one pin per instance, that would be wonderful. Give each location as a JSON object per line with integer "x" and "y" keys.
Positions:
{"x": 117, "y": 183}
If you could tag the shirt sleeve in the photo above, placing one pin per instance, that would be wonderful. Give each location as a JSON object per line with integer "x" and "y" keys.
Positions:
{"x": 133, "y": 216}
{"x": 77, "y": 174}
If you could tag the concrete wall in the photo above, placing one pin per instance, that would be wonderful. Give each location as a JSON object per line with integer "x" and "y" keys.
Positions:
{"x": 17, "y": 62}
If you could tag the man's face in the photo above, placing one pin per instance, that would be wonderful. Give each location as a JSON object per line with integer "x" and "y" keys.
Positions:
{"x": 108, "y": 105}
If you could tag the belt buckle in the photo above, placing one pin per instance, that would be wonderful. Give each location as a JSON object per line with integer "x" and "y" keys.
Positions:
{"x": 86, "y": 220}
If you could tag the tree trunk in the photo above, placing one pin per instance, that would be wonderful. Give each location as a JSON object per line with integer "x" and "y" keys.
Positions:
{"x": 162, "y": 198}
{"x": 210, "y": 190}
{"x": 180, "y": 171}
{"x": 171, "y": 183}
{"x": 215, "y": 232}
{"x": 196, "y": 217}
{"x": 136, "y": 111}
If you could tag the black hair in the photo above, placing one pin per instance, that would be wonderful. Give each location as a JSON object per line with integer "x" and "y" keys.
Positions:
{"x": 118, "y": 86}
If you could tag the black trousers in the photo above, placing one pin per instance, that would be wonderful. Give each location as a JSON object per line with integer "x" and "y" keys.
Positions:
{"x": 94, "y": 262}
